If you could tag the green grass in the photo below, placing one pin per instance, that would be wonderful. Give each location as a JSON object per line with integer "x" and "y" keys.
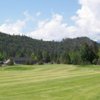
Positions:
{"x": 50, "y": 82}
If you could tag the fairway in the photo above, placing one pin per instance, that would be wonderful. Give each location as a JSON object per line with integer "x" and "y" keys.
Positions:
{"x": 50, "y": 82}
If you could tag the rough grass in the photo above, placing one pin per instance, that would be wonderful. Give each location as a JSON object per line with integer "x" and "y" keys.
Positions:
{"x": 50, "y": 82}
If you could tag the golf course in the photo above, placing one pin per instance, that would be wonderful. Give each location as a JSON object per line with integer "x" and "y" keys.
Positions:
{"x": 50, "y": 82}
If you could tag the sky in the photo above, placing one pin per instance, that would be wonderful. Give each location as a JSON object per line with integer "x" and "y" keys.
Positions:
{"x": 51, "y": 19}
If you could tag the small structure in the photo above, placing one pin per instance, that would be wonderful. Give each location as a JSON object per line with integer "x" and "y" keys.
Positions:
{"x": 18, "y": 60}
{"x": 23, "y": 60}
{"x": 6, "y": 62}
{"x": 9, "y": 62}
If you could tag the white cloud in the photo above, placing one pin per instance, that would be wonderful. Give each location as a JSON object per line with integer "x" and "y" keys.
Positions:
{"x": 53, "y": 29}
{"x": 88, "y": 18}
{"x": 16, "y": 27}
{"x": 13, "y": 28}
{"x": 87, "y": 23}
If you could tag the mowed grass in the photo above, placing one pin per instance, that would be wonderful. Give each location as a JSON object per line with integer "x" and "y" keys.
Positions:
{"x": 50, "y": 82}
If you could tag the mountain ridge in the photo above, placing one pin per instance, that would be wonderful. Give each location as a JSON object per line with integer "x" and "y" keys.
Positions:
{"x": 16, "y": 45}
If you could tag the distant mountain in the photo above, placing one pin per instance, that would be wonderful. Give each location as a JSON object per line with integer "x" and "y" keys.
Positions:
{"x": 15, "y": 45}
{"x": 74, "y": 44}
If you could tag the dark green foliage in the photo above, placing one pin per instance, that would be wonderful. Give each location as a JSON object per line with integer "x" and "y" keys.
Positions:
{"x": 88, "y": 54}
{"x": 95, "y": 61}
{"x": 34, "y": 57}
{"x": 39, "y": 56}
{"x": 75, "y": 58}
{"x": 73, "y": 51}
{"x": 98, "y": 62}
{"x": 65, "y": 58}
{"x": 40, "y": 63}
{"x": 29, "y": 62}
{"x": 1, "y": 57}
{"x": 46, "y": 57}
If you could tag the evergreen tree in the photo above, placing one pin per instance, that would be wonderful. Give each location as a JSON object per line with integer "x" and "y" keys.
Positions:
{"x": 75, "y": 58}
{"x": 39, "y": 56}
{"x": 34, "y": 57}
{"x": 87, "y": 54}
{"x": 65, "y": 58}
{"x": 1, "y": 57}
{"x": 46, "y": 57}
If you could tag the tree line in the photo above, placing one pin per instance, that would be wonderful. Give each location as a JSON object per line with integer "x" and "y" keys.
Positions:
{"x": 68, "y": 51}
{"x": 85, "y": 55}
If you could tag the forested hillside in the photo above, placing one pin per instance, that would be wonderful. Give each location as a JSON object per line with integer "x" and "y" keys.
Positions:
{"x": 65, "y": 51}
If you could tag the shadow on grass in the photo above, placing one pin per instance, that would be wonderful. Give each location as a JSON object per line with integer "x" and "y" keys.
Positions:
{"x": 17, "y": 68}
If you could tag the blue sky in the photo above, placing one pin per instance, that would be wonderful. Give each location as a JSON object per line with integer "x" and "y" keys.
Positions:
{"x": 50, "y": 19}
{"x": 13, "y": 9}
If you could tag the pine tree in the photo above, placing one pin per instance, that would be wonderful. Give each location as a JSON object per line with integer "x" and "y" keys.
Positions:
{"x": 46, "y": 57}
{"x": 65, "y": 58}
{"x": 1, "y": 57}
{"x": 87, "y": 54}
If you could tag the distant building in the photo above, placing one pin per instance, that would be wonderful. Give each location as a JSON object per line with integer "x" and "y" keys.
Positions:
{"x": 23, "y": 60}
{"x": 6, "y": 62}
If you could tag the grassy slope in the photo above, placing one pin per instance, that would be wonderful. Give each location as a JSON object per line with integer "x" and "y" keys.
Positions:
{"x": 50, "y": 82}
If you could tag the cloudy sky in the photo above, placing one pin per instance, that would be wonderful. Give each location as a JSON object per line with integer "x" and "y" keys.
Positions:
{"x": 51, "y": 19}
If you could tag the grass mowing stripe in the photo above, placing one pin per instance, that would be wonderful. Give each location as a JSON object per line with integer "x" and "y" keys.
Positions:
{"x": 50, "y": 82}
